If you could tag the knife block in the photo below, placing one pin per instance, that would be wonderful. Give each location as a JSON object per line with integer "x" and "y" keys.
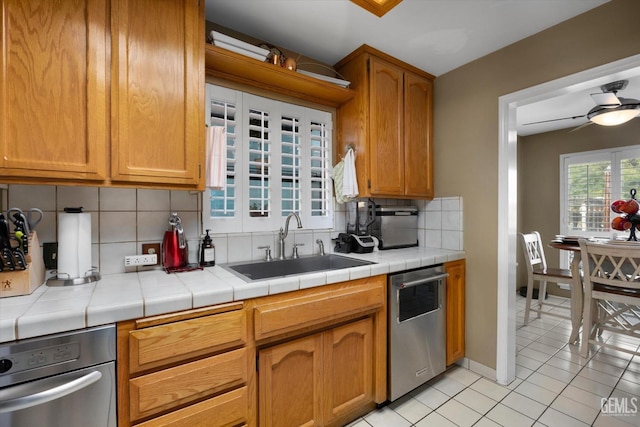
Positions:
{"x": 24, "y": 282}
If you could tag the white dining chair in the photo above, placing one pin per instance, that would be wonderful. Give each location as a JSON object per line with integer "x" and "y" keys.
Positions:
{"x": 537, "y": 270}
{"x": 611, "y": 295}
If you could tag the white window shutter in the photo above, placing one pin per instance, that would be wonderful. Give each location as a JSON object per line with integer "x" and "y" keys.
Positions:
{"x": 279, "y": 161}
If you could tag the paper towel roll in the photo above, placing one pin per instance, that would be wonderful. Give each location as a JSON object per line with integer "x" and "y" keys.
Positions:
{"x": 74, "y": 245}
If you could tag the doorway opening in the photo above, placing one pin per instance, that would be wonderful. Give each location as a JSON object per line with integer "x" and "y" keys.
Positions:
{"x": 508, "y": 196}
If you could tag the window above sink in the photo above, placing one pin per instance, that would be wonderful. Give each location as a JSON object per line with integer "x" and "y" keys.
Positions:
{"x": 278, "y": 158}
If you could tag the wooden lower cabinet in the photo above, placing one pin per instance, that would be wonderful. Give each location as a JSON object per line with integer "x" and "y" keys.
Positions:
{"x": 290, "y": 383}
{"x": 190, "y": 368}
{"x": 455, "y": 310}
{"x": 317, "y": 380}
{"x": 347, "y": 369}
{"x": 322, "y": 353}
{"x": 312, "y": 357}
{"x": 226, "y": 410}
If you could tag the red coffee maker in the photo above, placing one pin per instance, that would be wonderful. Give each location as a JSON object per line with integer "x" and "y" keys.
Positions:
{"x": 175, "y": 252}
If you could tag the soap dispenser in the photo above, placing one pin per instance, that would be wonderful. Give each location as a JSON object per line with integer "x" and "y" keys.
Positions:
{"x": 207, "y": 252}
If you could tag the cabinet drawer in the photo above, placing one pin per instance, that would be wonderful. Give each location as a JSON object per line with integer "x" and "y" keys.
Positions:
{"x": 160, "y": 345}
{"x": 296, "y": 313}
{"x": 170, "y": 388}
{"x": 226, "y": 410}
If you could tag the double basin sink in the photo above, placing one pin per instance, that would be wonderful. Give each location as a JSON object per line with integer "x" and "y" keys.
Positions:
{"x": 260, "y": 270}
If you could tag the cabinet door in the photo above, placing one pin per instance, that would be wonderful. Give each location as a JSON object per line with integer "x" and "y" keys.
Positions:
{"x": 348, "y": 368}
{"x": 157, "y": 91}
{"x": 455, "y": 310}
{"x": 290, "y": 387}
{"x": 418, "y": 125}
{"x": 53, "y": 95}
{"x": 386, "y": 139}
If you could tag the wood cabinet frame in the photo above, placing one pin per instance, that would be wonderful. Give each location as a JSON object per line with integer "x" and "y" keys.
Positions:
{"x": 455, "y": 309}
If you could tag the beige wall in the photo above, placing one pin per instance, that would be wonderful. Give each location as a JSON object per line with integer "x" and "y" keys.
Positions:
{"x": 539, "y": 177}
{"x": 466, "y": 136}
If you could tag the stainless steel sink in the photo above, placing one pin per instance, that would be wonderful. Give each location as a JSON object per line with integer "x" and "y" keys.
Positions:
{"x": 258, "y": 270}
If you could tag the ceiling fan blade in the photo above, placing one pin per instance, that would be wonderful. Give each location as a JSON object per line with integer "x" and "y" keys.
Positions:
{"x": 581, "y": 126}
{"x": 606, "y": 100}
{"x": 554, "y": 120}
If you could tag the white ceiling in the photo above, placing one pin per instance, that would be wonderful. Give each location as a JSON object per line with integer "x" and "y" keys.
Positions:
{"x": 434, "y": 35}
{"x": 573, "y": 102}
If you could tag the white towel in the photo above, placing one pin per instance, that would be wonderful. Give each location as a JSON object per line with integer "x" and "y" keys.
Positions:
{"x": 350, "y": 182}
{"x": 216, "y": 157}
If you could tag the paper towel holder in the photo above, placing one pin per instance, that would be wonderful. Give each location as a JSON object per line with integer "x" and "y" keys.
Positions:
{"x": 59, "y": 280}
{"x": 65, "y": 278}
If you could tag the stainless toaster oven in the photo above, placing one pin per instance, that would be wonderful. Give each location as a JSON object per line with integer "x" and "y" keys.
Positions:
{"x": 396, "y": 226}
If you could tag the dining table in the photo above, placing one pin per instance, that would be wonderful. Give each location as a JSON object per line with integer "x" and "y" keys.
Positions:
{"x": 577, "y": 290}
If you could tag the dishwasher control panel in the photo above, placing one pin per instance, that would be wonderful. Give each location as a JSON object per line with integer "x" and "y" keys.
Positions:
{"x": 38, "y": 358}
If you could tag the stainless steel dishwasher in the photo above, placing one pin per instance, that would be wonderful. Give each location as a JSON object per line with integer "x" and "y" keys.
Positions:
{"x": 416, "y": 328}
{"x": 59, "y": 380}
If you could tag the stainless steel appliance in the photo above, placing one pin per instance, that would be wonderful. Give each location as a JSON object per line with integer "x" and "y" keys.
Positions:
{"x": 60, "y": 380}
{"x": 416, "y": 328}
{"x": 395, "y": 226}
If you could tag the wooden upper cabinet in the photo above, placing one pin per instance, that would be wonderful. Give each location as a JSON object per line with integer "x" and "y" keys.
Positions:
{"x": 390, "y": 123}
{"x": 100, "y": 92}
{"x": 53, "y": 94}
{"x": 418, "y": 127}
{"x": 157, "y": 91}
{"x": 386, "y": 143}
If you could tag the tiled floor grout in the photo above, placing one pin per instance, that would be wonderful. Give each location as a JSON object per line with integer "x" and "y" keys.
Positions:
{"x": 543, "y": 334}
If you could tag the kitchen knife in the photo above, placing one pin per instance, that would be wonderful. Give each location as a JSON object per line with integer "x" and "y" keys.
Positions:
{"x": 19, "y": 259}
{"x": 20, "y": 223}
{"x": 32, "y": 217}
{"x": 5, "y": 245}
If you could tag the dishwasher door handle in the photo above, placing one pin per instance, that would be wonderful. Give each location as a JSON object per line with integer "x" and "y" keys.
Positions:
{"x": 48, "y": 395}
{"x": 422, "y": 281}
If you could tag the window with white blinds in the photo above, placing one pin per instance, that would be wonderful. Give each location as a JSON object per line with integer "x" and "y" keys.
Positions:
{"x": 590, "y": 181}
{"x": 320, "y": 165}
{"x": 278, "y": 162}
{"x": 290, "y": 151}
{"x": 259, "y": 156}
{"x": 223, "y": 202}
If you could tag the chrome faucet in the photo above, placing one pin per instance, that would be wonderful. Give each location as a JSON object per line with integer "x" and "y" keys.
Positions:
{"x": 283, "y": 233}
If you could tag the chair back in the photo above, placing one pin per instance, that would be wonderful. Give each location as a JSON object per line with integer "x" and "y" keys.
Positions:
{"x": 533, "y": 251}
{"x": 611, "y": 265}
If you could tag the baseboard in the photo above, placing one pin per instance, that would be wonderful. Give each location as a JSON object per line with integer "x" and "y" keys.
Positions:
{"x": 478, "y": 368}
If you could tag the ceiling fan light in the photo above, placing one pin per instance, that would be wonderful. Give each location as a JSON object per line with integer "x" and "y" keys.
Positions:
{"x": 615, "y": 116}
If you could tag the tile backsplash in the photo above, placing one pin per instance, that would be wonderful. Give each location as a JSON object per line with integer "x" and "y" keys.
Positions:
{"x": 123, "y": 219}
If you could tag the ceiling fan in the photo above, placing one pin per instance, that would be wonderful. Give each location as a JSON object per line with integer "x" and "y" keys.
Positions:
{"x": 610, "y": 109}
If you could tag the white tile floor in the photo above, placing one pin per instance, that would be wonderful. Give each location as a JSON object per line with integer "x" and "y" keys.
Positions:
{"x": 554, "y": 387}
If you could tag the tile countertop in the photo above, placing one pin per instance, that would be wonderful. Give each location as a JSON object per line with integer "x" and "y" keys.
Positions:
{"x": 119, "y": 297}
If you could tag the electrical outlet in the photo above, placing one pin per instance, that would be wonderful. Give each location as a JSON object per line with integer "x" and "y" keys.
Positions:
{"x": 150, "y": 249}
{"x": 140, "y": 260}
